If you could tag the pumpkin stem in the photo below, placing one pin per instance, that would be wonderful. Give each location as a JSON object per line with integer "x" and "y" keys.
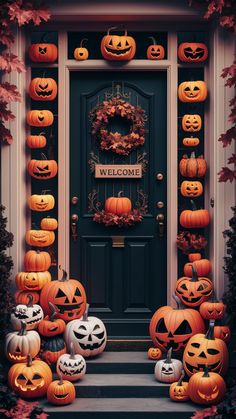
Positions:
{"x": 61, "y": 382}
{"x": 179, "y": 303}
{"x": 194, "y": 273}
{"x": 22, "y": 331}
{"x": 43, "y": 192}
{"x": 64, "y": 276}
{"x": 192, "y": 156}
{"x": 120, "y": 194}
{"x": 29, "y": 360}
{"x": 168, "y": 357}
{"x": 113, "y": 28}
{"x": 85, "y": 315}
{"x": 42, "y": 133}
{"x": 43, "y": 38}
{"x": 206, "y": 371}
{"x": 30, "y": 298}
{"x": 181, "y": 378}
{"x": 194, "y": 207}
{"x": 53, "y": 311}
{"x": 153, "y": 40}
{"x": 210, "y": 332}
{"x": 81, "y": 42}
{"x": 72, "y": 351}
{"x": 44, "y": 157}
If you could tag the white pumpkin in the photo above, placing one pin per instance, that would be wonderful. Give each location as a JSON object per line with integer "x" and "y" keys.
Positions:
{"x": 88, "y": 335}
{"x": 168, "y": 370}
{"x": 31, "y": 314}
{"x": 19, "y": 344}
{"x": 71, "y": 366}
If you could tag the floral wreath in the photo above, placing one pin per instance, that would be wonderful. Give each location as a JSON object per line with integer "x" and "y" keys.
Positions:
{"x": 116, "y": 142}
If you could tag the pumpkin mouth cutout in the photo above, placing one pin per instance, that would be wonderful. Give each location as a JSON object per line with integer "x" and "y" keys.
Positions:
{"x": 43, "y": 93}
{"x": 155, "y": 54}
{"x": 209, "y": 397}
{"x": 41, "y": 172}
{"x": 189, "y": 53}
{"x": 16, "y": 357}
{"x": 62, "y": 308}
{"x": 73, "y": 372}
{"x": 118, "y": 52}
{"x": 61, "y": 396}
{"x": 191, "y": 299}
{"x": 42, "y": 206}
{"x": 40, "y": 239}
{"x": 201, "y": 367}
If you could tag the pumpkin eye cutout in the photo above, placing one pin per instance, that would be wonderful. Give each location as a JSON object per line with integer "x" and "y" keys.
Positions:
{"x": 183, "y": 328}
{"x": 99, "y": 335}
{"x": 77, "y": 292}
{"x": 96, "y": 327}
{"x": 192, "y": 91}
{"x": 212, "y": 351}
{"x": 195, "y": 345}
{"x": 191, "y": 353}
{"x": 21, "y": 377}
{"x": 161, "y": 327}
{"x": 60, "y": 293}
{"x": 79, "y": 335}
{"x": 184, "y": 287}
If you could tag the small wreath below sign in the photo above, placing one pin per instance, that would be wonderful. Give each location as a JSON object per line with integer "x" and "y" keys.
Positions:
{"x": 116, "y": 142}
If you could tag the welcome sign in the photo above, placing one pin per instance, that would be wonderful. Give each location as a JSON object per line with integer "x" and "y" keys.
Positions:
{"x": 121, "y": 171}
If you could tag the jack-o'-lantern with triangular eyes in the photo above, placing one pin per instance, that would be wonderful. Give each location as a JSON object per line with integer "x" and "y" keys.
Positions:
{"x": 191, "y": 188}
{"x": 118, "y": 48}
{"x": 191, "y": 122}
{"x": 42, "y": 169}
{"x": 43, "y": 89}
{"x": 67, "y": 295}
{"x": 206, "y": 388}
{"x": 172, "y": 328}
{"x": 88, "y": 335}
{"x": 155, "y": 51}
{"x": 192, "y": 52}
{"x": 192, "y": 91}
{"x": 43, "y": 53}
{"x": 206, "y": 350}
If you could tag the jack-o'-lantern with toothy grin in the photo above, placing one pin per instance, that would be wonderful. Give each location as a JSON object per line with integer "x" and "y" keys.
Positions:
{"x": 19, "y": 344}
{"x": 71, "y": 366}
{"x": 31, "y": 313}
{"x": 118, "y": 48}
{"x": 40, "y": 238}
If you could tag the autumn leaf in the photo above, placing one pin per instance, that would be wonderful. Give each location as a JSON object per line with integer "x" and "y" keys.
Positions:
{"x": 5, "y": 134}
{"x": 9, "y": 93}
{"x": 40, "y": 14}
{"x": 205, "y": 413}
{"x": 226, "y": 174}
{"x": 5, "y": 114}
{"x": 227, "y": 137}
{"x": 10, "y": 62}
{"x": 232, "y": 159}
{"x": 17, "y": 13}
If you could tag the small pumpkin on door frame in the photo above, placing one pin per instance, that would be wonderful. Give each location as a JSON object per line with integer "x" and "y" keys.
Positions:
{"x": 39, "y": 118}
{"x": 43, "y": 89}
{"x": 192, "y": 166}
{"x": 192, "y": 91}
{"x": 61, "y": 392}
{"x": 81, "y": 53}
{"x": 36, "y": 141}
{"x": 37, "y": 261}
{"x": 155, "y": 51}
{"x": 32, "y": 281}
{"x": 168, "y": 370}
{"x": 195, "y": 218}
{"x": 192, "y": 52}
{"x": 118, "y": 48}
{"x": 178, "y": 391}
{"x": 191, "y": 188}
{"x": 49, "y": 224}
{"x": 39, "y": 238}
{"x": 42, "y": 169}
{"x": 43, "y": 53}
{"x": 191, "y": 141}
{"x": 206, "y": 388}
{"x": 191, "y": 122}
{"x": 43, "y": 202}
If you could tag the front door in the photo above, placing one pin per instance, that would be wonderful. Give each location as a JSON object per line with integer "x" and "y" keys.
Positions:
{"x": 125, "y": 278}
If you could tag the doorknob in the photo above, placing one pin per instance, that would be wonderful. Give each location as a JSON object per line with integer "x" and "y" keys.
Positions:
{"x": 160, "y": 176}
{"x": 160, "y": 219}
{"x": 74, "y": 219}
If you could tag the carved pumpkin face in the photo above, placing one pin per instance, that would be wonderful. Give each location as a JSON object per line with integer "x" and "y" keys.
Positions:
{"x": 71, "y": 366}
{"x": 118, "y": 48}
{"x": 172, "y": 328}
{"x": 154, "y": 51}
{"x": 42, "y": 169}
{"x": 191, "y": 122}
{"x": 40, "y": 238}
{"x": 192, "y": 91}
{"x": 154, "y": 353}
{"x": 222, "y": 332}
{"x": 208, "y": 388}
{"x": 43, "y": 53}
{"x": 40, "y": 118}
{"x": 41, "y": 202}
{"x": 192, "y": 52}
{"x": 21, "y": 297}
{"x": 19, "y": 344}
{"x": 168, "y": 370}
{"x": 31, "y": 314}
{"x": 81, "y": 53}
{"x": 61, "y": 392}
{"x": 30, "y": 380}
{"x": 191, "y": 141}
{"x": 191, "y": 189}
{"x": 43, "y": 89}
{"x": 178, "y": 391}
{"x": 32, "y": 281}
{"x": 212, "y": 310}
{"x": 205, "y": 350}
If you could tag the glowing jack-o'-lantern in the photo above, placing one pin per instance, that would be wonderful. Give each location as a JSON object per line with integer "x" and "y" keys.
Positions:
{"x": 206, "y": 388}
{"x": 43, "y": 53}
{"x": 61, "y": 392}
{"x": 68, "y": 295}
{"x": 71, "y": 366}
{"x": 168, "y": 370}
{"x": 32, "y": 281}
{"x": 193, "y": 291}
{"x": 178, "y": 391}
{"x": 191, "y": 122}
{"x": 192, "y": 91}
{"x": 42, "y": 169}
{"x": 40, "y": 238}
{"x": 154, "y": 353}
{"x": 43, "y": 89}
{"x": 39, "y": 118}
{"x": 191, "y": 189}
{"x": 19, "y": 344}
{"x": 31, "y": 313}
{"x": 88, "y": 335}
{"x": 172, "y": 328}
{"x": 205, "y": 350}
{"x": 41, "y": 202}
{"x": 154, "y": 51}
{"x": 192, "y": 52}
{"x": 118, "y": 48}
{"x": 30, "y": 380}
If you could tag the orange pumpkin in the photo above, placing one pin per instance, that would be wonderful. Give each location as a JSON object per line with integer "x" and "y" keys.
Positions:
{"x": 191, "y": 141}
{"x": 222, "y": 332}
{"x": 206, "y": 388}
{"x": 192, "y": 91}
{"x": 68, "y": 295}
{"x": 53, "y": 348}
{"x": 191, "y": 189}
{"x": 118, "y": 48}
{"x": 32, "y": 281}
{"x": 192, "y": 52}
{"x": 178, "y": 391}
{"x": 22, "y": 297}
{"x": 118, "y": 205}
{"x": 43, "y": 53}
{"x": 212, "y": 309}
{"x": 49, "y": 223}
{"x": 36, "y": 141}
{"x": 50, "y": 326}
{"x": 42, "y": 169}
{"x": 192, "y": 257}
{"x": 194, "y": 218}
{"x": 154, "y": 353}
{"x": 40, "y": 238}
{"x": 61, "y": 392}
{"x": 41, "y": 202}
{"x": 37, "y": 261}
{"x": 191, "y": 122}
{"x": 202, "y": 266}
{"x": 154, "y": 51}
{"x": 43, "y": 89}
{"x": 192, "y": 167}
{"x": 39, "y": 118}
{"x": 81, "y": 53}
{"x": 193, "y": 291}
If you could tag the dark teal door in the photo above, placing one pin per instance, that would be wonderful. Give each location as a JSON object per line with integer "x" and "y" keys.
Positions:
{"x": 124, "y": 285}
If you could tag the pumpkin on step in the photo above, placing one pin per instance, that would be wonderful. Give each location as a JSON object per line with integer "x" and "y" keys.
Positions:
{"x": 212, "y": 309}
{"x": 118, "y": 48}
{"x": 19, "y": 344}
{"x": 50, "y": 326}
{"x": 71, "y": 366}
{"x": 31, "y": 313}
{"x": 178, "y": 391}
{"x": 53, "y": 348}
{"x": 154, "y": 353}
{"x": 119, "y": 205}
{"x": 61, "y": 392}
{"x": 193, "y": 166}
{"x": 206, "y": 388}
{"x": 168, "y": 370}
{"x": 192, "y": 91}
{"x": 195, "y": 218}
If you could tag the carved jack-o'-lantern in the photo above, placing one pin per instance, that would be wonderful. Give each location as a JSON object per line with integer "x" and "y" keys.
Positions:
{"x": 154, "y": 353}
{"x": 118, "y": 48}
{"x": 50, "y": 326}
{"x": 154, "y": 51}
{"x": 191, "y": 189}
{"x": 222, "y": 332}
{"x": 71, "y": 366}
{"x": 193, "y": 291}
{"x": 42, "y": 169}
{"x": 172, "y": 328}
{"x": 32, "y": 281}
{"x": 88, "y": 335}
{"x": 40, "y": 238}
{"x": 212, "y": 309}
{"x": 205, "y": 350}
{"x": 41, "y": 202}
{"x": 191, "y": 141}
{"x": 43, "y": 53}
{"x": 31, "y": 379}
{"x": 192, "y": 91}
{"x": 61, "y": 392}
{"x": 43, "y": 89}
{"x": 178, "y": 391}
{"x": 168, "y": 370}
{"x": 191, "y": 122}
{"x": 81, "y": 53}
{"x": 31, "y": 314}
{"x": 39, "y": 118}
{"x": 192, "y": 52}
{"x": 19, "y": 344}
{"x": 68, "y": 295}
{"x": 206, "y": 388}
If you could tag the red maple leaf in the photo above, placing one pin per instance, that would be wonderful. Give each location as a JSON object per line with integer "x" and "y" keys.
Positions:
{"x": 19, "y": 14}
{"x": 5, "y": 114}
{"x": 232, "y": 115}
{"x": 227, "y": 137}
{"x": 39, "y": 14}
{"x": 10, "y": 62}
{"x": 5, "y": 134}
{"x": 228, "y": 21}
{"x": 9, "y": 93}
{"x": 232, "y": 159}
{"x": 226, "y": 174}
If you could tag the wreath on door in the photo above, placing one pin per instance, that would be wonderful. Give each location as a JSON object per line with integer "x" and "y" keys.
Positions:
{"x": 115, "y": 141}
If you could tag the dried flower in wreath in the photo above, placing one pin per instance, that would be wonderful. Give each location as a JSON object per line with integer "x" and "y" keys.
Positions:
{"x": 126, "y": 220}
{"x": 116, "y": 142}
{"x": 187, "y": 241}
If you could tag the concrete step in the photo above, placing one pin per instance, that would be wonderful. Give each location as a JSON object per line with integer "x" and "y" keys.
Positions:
{"x": 120, "y": 363}
{"x": 120, "y": 385}
{"x": 122, "y": 408}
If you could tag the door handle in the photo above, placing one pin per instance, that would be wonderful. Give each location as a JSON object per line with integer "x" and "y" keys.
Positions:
{"x": 74, "y": 220}
{"x": 160, "y": 219}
